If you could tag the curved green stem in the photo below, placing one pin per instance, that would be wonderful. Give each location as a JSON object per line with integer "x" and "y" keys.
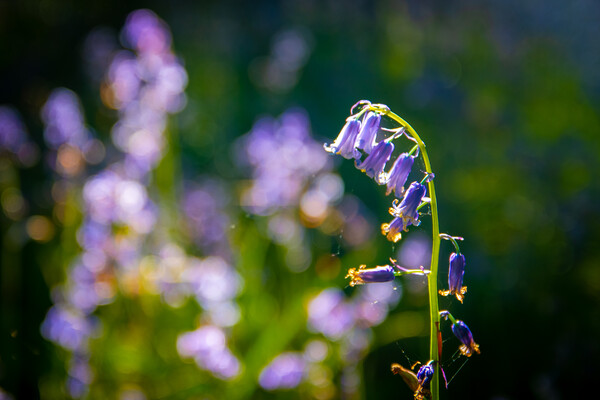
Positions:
{"x": 434, "y": 313}
{"x": 453, "y": 240}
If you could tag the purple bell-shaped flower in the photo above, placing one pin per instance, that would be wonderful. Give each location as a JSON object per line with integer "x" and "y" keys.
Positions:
{"x": 375, "y": 162}
{"x": 463, "y": 333}
{"x": 456, "y": 272}
{"x": 405, "y": 213}
{"x": 345, "y": 143}
{"x": 368, "y": 132}
{"x": 364, "y": 275}
{"x": 397, "y": 176}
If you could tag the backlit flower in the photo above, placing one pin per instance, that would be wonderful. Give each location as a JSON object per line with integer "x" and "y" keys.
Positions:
{"x": 463, "y": 333}
{"x": 368, "y": 132}
{"x": 424, "y": 377}
{"x": 375, "y": 162}
{"x": 345, "y": 143}
{"x": 455, "y": 277}
{"x": 364, "y": 275}
{"x": 397, "y": 176}
{"x": 405, "y": 213}
{"x": 393, "y": 230}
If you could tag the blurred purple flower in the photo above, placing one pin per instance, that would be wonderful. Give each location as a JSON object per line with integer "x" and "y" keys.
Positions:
{"x": 80, "y": 375}
{"x": 12, "y": 130}
{"x": 146, "y": 33}
{"x": 375, "y": 301}
{"x": 286, "y": 371}
{"x": 212, "y": 280}
{"x": 282, "y": 156}
{"x": 207, "y": 346}
{"x": 330, "y": 314}
{"x": 63, "y": 118}
{"x": 207, "y": 219}
{"x": 144, "y": 87}
{"x": 68, "y": 328}
{"x": 14, "y": 138}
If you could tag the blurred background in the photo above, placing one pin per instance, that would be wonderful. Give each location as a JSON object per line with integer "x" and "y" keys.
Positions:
{"x": 171, "y": 227}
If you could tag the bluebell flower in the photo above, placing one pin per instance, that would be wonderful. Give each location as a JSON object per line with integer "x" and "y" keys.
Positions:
{"x": 405, "y": 213}
{"x": 364, "y": 275}
{"x": 393, "y": 230}
{"x": 463, "y": 333}
{"x": 397, "y": 176}
{"x": 375, "y": 162}
{"x": 424, "y": 376}
{"x": 345, "y": 143}
{"x": 456, "y": 272}
{"x": 368, "y": 132}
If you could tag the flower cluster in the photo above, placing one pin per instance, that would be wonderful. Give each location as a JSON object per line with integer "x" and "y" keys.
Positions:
{"x": 117, "y": 234}
{"x": 144, "y": 86}
{"x": 358, "y": 140}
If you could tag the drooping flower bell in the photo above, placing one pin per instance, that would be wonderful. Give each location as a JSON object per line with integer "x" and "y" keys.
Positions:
{"x": 393, "y": 230}
{"x": 463, "y": 333}
{"x": 424, "y": 376}
{"x": 406, "y": 212}
{"x": 364, "y": 275}
{"x": 368, "y": 132}
{"x": 345, "y": 143}
{"x": 375, "y": 162}
{"x": 397, "y": 176}
{"x": 456, "y": 272}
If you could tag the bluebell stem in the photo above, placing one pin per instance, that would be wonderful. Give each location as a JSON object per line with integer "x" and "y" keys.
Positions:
{"x": 368, "y": 132}
{"x": 375, "y": 162}
{"x": 455, "y": 277}
{"x": 405, "y": 213}
{"x": 345, "y": 143}
{"x": 463, "y": 333}
{"x": 397, "y": 176}
{"x": 425, "y": 384}
{"x": 364, "y": 275}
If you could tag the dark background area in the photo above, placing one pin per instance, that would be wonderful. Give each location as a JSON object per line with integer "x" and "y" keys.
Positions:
{"x": 505, "y": 94}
